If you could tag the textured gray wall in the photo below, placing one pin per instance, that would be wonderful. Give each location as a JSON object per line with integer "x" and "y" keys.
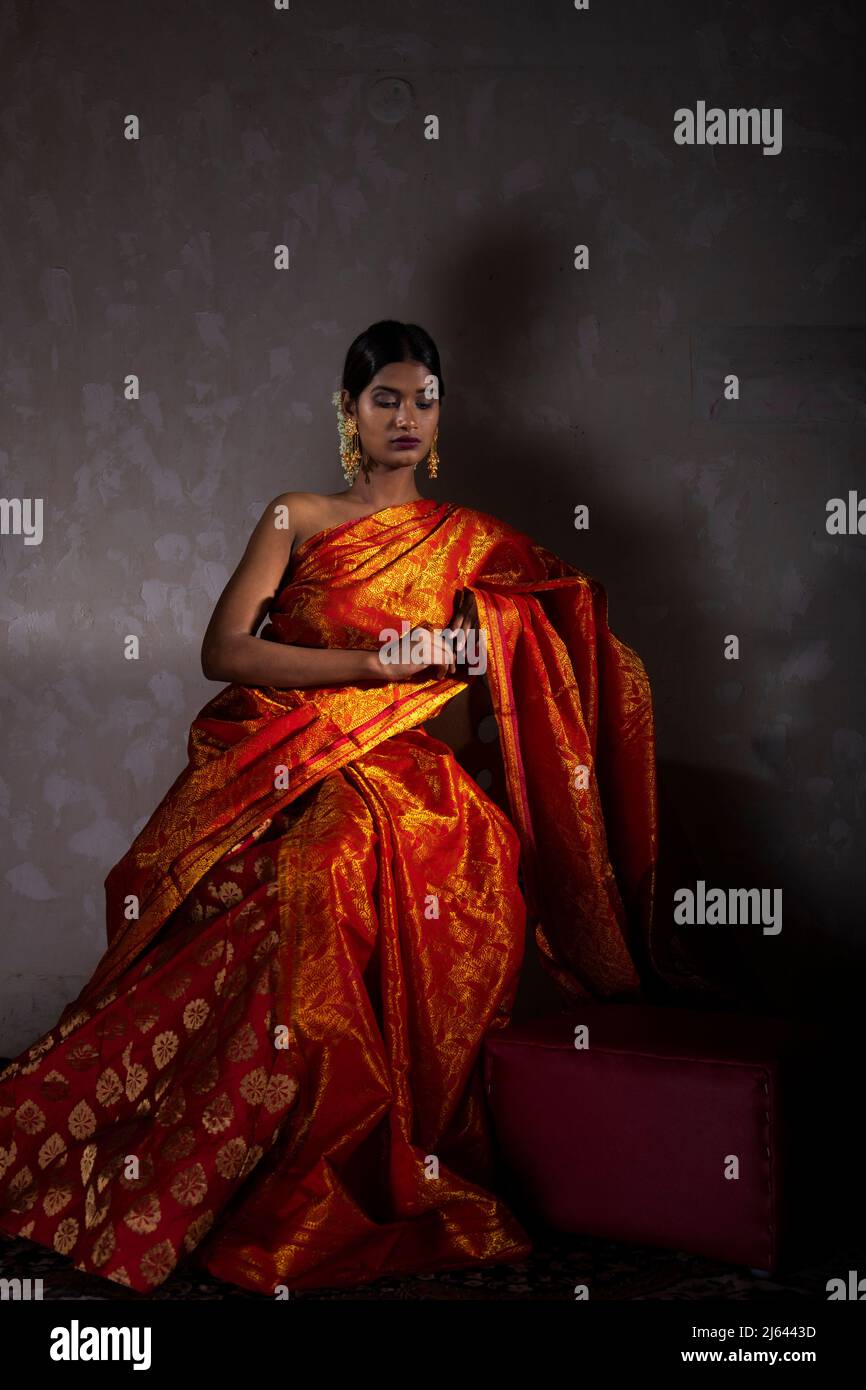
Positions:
{"x": 564, "y": 386}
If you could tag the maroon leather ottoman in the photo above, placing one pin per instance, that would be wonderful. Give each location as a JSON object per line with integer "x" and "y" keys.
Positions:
{"x": 638, "y": 1135}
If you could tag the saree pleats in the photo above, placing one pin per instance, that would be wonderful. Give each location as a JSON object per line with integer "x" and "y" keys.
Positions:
{"x": 386, "y": 1170}
{"x": 275, "y": 1069}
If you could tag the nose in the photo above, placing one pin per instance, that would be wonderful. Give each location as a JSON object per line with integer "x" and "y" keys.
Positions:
{"x": 405, "y": 415}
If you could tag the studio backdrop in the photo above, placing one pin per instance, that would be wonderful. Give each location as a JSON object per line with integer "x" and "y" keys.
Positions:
{"x": 637, "y": 236}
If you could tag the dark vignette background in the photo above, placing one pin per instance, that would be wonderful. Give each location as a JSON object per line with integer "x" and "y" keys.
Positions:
{"x": 563, "y": 387}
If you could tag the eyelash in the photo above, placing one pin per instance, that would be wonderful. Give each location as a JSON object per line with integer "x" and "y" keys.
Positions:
{"x": 392, "y": 405}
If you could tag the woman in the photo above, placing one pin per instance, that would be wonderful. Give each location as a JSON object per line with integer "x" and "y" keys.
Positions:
{"x": 275, "y": 1068}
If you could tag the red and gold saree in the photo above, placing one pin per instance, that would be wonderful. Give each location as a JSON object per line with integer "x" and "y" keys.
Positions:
{"x": 276, "y": 1063}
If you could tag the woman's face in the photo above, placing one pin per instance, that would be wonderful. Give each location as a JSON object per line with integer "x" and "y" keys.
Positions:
{"x": 396, "y": 404}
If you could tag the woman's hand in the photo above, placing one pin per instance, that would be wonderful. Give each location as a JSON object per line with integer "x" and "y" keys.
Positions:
{"x": 444, "y": 662}
{"x": 441, "y": 665}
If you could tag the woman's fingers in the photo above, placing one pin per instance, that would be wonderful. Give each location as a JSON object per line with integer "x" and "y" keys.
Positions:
{"x": 465, "y": 616}
{"x": 467, "y": 612}
{"x": 464, "y": 608}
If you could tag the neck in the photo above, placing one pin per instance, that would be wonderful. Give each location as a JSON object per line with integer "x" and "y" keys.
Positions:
{"x": 379, "y": 491}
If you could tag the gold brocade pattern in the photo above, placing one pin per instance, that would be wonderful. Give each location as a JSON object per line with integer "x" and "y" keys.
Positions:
{"x": 275, "y": 1069}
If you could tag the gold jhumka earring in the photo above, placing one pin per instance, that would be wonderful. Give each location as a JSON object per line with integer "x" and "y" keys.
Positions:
{"x": 350, "y": 445}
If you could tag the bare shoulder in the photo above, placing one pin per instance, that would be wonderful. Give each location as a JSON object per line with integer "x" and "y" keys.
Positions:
{"x": 306, "y": 513}
{"x": 298, "y": 505}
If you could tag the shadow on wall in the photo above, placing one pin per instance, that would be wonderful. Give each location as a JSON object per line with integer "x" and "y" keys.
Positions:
{"x": 736, "y": 967}
{"x": 502, "y": 334}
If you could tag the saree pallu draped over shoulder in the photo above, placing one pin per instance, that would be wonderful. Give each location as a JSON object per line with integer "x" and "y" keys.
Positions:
{"x": 314, "y": 931}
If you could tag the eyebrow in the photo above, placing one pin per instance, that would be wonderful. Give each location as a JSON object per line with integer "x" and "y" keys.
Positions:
{"x": 396, "y": 389}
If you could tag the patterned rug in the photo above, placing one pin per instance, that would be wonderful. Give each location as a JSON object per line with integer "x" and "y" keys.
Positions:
{"x": 558, "y": 1263}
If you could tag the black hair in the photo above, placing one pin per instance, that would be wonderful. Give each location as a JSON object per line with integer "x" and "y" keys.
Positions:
{"x": 384, "y": 342}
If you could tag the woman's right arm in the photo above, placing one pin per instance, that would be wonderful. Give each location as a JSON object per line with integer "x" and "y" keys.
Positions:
{"x": 230, "y": 649}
